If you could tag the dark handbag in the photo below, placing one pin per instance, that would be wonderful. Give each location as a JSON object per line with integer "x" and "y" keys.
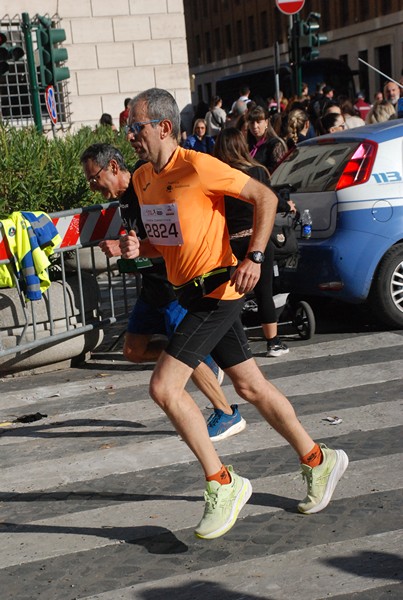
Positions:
{"x": 284, "y": 238}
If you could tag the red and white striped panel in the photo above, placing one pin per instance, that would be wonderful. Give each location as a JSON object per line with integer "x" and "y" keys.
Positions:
{"x": 81, "y": 229}
{"x": 89, "y": 227}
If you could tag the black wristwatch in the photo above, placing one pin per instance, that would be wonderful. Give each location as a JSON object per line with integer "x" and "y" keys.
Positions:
{"x": 256, "y": 256}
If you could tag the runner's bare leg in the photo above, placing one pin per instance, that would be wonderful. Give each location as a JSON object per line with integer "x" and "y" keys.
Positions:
{"x": 167, "y": 388}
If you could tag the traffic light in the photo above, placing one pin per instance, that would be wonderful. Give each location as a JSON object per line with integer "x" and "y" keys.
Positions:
{"x": 8, "y": 52}
{"x": 50, "y": 56}
{"x": 310, "y": 39}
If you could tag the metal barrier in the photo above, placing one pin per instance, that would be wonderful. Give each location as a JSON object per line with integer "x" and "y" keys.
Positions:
{"x": 86, "y": 292}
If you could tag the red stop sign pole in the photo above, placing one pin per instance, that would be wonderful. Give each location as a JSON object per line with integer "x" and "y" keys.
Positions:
{"x": 290, "y": 7}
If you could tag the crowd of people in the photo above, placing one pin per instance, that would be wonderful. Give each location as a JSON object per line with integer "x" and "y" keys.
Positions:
{"x": 272, "y": 127}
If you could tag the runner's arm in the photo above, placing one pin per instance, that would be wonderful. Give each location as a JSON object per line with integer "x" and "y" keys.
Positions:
{"x": 265, "y": 206}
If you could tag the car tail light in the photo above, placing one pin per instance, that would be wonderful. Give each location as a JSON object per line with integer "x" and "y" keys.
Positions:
{"x": 359, "y": 167}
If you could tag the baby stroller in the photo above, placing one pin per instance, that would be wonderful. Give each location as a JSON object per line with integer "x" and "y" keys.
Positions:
{"x": 290, "y": 311}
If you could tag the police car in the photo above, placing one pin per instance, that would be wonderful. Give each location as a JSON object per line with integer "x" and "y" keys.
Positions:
{"x": 352, "y": 184}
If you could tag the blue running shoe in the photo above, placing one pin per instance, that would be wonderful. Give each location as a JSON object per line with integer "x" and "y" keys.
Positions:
{"x": 218, "y": 372}
{"x": 221, "y": 426}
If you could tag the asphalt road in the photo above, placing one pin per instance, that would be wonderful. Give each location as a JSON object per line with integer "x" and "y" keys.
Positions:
{"x": 99, "y": 497}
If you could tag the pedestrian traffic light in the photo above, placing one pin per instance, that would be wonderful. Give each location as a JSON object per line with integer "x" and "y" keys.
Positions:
{"x": 8, "y": 52}
{"x": 50, "y": 55}
{"x": 310, "y": 39}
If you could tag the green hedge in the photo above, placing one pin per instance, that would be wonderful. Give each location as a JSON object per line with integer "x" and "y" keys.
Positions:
{"x": 38, "y": 173}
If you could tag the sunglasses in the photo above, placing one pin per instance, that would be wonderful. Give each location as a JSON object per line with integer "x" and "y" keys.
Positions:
{"x": 137, "y": 127}
{"x": 94, "y": 178}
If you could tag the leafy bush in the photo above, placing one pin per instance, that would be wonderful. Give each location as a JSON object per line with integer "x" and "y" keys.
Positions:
{"x": 38, "y": 173}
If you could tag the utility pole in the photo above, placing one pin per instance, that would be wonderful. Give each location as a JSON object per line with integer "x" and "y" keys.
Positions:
{"x": 296, "y": 54}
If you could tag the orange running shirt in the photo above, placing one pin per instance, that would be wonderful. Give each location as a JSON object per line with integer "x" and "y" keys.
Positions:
{"x": 184, "y": 216}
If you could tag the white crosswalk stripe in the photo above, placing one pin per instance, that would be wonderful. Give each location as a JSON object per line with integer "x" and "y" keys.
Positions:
{"x": 104, "y": 491}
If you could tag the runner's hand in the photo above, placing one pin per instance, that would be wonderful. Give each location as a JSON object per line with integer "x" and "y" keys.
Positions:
{"x": 130, "y": 245}
{"x": 246, "y": 276}
{"x": 110, "y": 248}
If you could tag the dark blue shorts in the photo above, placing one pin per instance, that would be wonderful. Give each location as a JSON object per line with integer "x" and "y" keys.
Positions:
{"x": 146, "y": 319}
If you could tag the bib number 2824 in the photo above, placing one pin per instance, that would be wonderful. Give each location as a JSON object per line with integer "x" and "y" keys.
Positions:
{"x": 161, "y": 230}
{"x": 162, "y": 225}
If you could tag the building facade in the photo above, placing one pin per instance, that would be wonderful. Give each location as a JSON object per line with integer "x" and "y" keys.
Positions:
{"x": 115, "y": 50}
{"x": 229, "y": 37}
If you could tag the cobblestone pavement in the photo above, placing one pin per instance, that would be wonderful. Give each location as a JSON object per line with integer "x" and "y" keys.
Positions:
{"x": 99, "y": 498}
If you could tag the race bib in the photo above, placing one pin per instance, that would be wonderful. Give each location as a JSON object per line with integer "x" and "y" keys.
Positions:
{"x": 161, "y": 223}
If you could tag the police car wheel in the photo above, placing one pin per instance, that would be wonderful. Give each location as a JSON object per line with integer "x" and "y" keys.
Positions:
{"x": 386, "y": 296}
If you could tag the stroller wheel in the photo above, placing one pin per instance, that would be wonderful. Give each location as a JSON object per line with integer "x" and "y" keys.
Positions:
{"x": 304, "y": 320}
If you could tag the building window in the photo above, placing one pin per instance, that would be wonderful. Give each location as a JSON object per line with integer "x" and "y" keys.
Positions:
{"x": 344, "y": 16}
{"x": 363, "y": 73}
{"x": 325, "y": 20}
{"x": 208, "y": 47}
{"x": 278, "y": 26}
{"x": 251, "y": 33}
{"x": 228, "y": 37}
{"x": 383, "y": 61}
{"x": 208, "y": 92}
{"x": 264, "y": 29}
{"x": 364, "y": 10}
{"x": 239, "y": 36}
{"x": 200, "y": 93}
{"x": 217, "y": 43}
{"x": 198, "y": 50}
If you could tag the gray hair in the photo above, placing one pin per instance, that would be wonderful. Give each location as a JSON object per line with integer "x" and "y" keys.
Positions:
{"x": 160, "y": 105}
{"x": 102, "y": 154}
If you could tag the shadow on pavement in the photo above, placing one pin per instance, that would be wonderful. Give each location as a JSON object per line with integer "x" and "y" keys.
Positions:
{"x": 381, "y": 565}
{"x": 156, "y": 540}
{"x": 49, "y": 430}
{"x": 197, "y": 590}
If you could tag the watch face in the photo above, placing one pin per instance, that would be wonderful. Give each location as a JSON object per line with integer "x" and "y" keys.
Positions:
{"x": 257, "y": 256}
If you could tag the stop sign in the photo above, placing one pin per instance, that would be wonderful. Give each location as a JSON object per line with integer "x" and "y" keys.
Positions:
{"x": 290, "y": 7}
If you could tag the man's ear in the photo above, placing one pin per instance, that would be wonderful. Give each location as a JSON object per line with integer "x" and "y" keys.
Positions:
{"x": 166, "y": 128}
{"x": 114, "y": 166}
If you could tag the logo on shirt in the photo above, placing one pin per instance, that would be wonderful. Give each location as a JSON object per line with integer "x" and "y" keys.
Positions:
{"x": 11, "y": 232}
{"x": 149, "y": 212}
{"x": 146, "y": 186}
{"x": 176, "y": 185}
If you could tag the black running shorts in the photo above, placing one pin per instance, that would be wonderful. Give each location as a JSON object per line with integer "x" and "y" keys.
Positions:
{"x": 211, "y": 327}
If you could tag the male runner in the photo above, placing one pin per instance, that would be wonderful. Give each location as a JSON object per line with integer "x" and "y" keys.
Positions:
{"x": 157, "y": 310}
{"x": 181, "y": 193}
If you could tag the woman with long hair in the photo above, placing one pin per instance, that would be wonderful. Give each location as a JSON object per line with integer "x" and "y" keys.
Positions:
{"x": 231, "y": 148}
{"x": 264, "y": 144}
{"x": 297, "y": 127}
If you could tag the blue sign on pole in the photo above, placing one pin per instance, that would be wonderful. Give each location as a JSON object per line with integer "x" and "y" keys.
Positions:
{"x": 51, "y": 103}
